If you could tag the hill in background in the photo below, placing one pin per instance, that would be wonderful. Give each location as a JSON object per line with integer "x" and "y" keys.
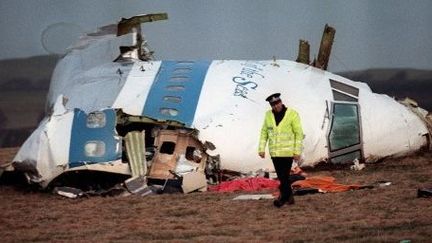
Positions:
{"x": 33, "y": 73}
{"x": 24, "y": 85}
{"x": 399, "y": 83}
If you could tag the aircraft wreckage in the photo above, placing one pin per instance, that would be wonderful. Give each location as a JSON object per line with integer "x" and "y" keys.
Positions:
{"x": 112, "y": 109}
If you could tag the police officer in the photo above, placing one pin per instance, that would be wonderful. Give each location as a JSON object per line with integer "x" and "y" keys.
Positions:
{"x": 283, "y": 132}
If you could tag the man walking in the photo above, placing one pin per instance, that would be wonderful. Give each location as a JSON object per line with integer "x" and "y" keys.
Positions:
{"x": 283, "y": 131}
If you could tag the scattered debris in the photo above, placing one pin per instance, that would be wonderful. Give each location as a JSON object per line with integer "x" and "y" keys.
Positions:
{"x": 138, "y": 186}
{"x": 68, "y": 192}
{"x": 254, "y": 197}
{"x": 424, "y": 192}
{"x": 357, "y": 166}
{"x": 115, "y": 191}
{"x": 181, "y": 156}
{"x": 383, "y": 183}
{"x": 29, "y": 168}
{"x": 194, "y": 181}
{"x": 176, "y": 148}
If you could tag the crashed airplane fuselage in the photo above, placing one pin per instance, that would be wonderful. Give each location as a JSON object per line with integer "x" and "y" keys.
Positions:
{"x": 101, "y": 91}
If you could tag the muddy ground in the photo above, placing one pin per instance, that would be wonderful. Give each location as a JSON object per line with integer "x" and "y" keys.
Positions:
{"x": 382, "y": 214}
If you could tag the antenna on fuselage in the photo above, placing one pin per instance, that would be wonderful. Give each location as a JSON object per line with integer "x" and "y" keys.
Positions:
{"x": 139, "y": 48}
{"x": 324, "y": 50}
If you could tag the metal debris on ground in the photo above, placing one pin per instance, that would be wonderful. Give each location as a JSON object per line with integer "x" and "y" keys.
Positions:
{"x": 194, "y": 181}
{"x": 254, "y": 197}
{"x": 357, "y": 166}
{"x": 383, "y": 183}
{"x": 68, "y": 192}
{"x": 424, "y": 192}
{"x": 138, "y": 186}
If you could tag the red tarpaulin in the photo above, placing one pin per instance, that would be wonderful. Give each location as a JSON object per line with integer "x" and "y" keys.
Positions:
{"x": 323, "y": 183}
{"x": 246, "y": 184}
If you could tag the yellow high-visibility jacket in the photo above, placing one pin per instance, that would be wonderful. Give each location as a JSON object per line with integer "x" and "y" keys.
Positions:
{"x": 285, "y": 139}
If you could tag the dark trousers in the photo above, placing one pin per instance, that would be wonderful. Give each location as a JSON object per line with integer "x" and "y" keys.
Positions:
{"x": 282, "y": 166}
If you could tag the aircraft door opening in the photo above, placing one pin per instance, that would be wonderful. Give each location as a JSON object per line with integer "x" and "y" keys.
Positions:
{"x": 345, "y": 133}
{"x": 344, "y": 138}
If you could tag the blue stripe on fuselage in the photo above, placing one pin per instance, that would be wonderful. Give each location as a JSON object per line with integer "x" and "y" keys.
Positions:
{"x": 175, "y": 91}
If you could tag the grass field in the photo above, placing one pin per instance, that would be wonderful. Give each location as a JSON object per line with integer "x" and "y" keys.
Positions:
{"x": 382, "y": 214}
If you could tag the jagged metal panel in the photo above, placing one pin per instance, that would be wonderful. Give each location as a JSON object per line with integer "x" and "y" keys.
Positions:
{"x": 135, "y": 147}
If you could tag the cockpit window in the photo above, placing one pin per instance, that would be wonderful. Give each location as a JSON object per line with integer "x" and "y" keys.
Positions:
{"x": 344, "y": 92}
{"x": 345, "y": 127}
{"x": 344, "y": 88}
{"x": 343, "y": 97}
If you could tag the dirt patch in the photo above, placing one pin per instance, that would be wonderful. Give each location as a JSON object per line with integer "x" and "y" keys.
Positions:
{"x": 7, "y": 155}
{"x": 381, "y": 214}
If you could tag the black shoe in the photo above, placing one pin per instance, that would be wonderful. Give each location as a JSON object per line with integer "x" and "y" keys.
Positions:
{"x": 278, "y": 203}
{"x": 281, "y": 201}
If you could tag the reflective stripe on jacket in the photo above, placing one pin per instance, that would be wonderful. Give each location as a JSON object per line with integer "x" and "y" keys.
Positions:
{"x": 285, "y": 139}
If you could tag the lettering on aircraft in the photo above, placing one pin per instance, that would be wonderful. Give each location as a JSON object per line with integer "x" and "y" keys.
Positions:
{"x": 248, "y": 78}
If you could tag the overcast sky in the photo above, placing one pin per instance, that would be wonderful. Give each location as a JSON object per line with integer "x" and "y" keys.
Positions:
{"x": 369, "y": 33}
